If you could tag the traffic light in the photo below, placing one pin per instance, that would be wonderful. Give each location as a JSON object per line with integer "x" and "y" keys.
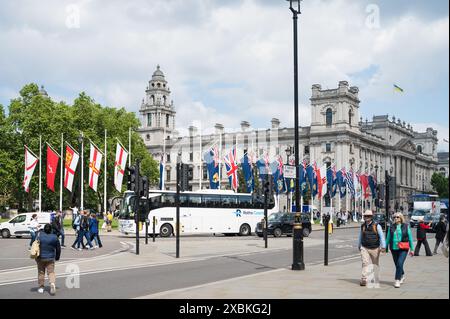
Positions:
{"x": 143, "y": 189}
{"x": 143, "y": 210}
{"x": 132, "y": 173}
{"x": 184, "y": 180}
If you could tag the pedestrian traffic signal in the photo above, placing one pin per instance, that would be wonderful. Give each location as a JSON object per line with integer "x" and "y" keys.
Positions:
{"x": 132, "y": 173}
{"x": 143, "y": 189}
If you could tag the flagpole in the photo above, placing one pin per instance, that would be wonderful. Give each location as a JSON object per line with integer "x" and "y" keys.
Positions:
{"x": 129, "y": 146}
{"x": 104, "y": 179}
{"x": 201, "y": 163}
{"x": 40, "y": 173}
{"x": 61, "y": 174}
{"x": 220, "y": 159}
{"x": 82, "y": 172}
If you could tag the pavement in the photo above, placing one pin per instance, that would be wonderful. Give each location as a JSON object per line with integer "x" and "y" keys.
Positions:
{"x": 426, "y": 277}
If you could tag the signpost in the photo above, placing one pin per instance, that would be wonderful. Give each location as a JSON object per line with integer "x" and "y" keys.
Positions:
{"x": 289, "y": 171}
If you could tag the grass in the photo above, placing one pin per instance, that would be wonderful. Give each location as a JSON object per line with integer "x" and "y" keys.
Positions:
{"x": 68, "y": 223}
{"x": 2, "y": 220}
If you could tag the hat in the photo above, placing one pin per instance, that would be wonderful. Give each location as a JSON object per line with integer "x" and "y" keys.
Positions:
{"x": 368, "y": 213}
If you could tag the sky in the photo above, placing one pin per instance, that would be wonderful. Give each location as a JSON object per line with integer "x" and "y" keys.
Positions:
{"x": 229, "y": 61}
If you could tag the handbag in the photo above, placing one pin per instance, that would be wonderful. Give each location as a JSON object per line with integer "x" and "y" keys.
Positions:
{"x": 402, "y": 245}
{"x": 35, "y": 248}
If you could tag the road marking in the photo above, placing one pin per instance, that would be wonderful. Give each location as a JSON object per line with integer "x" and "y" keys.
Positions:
{"x": 155, "y": 295}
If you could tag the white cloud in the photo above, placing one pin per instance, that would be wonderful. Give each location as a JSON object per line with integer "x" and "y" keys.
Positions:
{"x": 114, "y": 52}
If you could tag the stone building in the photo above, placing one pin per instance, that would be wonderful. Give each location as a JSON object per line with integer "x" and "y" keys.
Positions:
{"x": 337, "y": 135}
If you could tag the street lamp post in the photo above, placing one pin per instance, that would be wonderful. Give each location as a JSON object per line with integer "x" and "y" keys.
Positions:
{"x": 297, "y": 263}
{"x": 288, "y": 155}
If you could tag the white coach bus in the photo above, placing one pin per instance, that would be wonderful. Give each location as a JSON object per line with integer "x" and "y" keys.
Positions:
{"x": 206, "y": 211}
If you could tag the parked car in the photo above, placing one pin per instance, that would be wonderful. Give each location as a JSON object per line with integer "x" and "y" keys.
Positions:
{"x": 18, "y": 226}
{"x": 380, "y": 219}
{"x": 282, "y": 223}
{"x": 413, "y": 221}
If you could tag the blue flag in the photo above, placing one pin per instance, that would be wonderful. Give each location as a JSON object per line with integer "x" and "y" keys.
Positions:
{"x": 161, "y": 173}
{"x": 312, "y": 180}
{"x": 331, "y": 181}
{"x": 279, "y": 185}
{"x": 303, "y": 179}
{"x": 248, "y": 174}
{"x": 212, "y": 164}
{"x": 373, "y": 186}
{"x": 341, "y": 183}
{"x": 263, "y": 167}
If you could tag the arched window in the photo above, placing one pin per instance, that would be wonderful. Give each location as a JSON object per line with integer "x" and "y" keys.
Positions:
{"x": 167, "y": 120}
{"x": 329, "y": 117}
{"x": 419, "y": 149}
{"x": 152, "y": 99}
{"x": 149, "y": 119}
{"x": 164, "y": 100}
{"x": 350, "y": 117}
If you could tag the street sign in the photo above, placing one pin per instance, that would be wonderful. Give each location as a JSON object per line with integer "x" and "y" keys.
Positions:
{"x": 289, "y": 171}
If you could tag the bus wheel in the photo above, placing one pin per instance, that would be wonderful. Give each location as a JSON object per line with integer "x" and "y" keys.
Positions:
{"x": 277, "y": 232}
{"x": 166, "y": 230}
{"x": 244, "y": 230}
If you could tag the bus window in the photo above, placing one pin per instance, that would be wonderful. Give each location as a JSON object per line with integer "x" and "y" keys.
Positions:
{"x": 228, "y": 200}
{"x": 184, "y": 200}
{"x": 211, "y": 200}
{"x": 195, "y": 200}
{"x": 244, "y": 201}
{"x": 168, "y": 199}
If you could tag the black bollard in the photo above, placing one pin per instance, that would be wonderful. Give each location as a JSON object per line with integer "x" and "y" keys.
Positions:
{"x": 297, "y": 263}
{"x": 154, "y": 222}
{"x": 326, "y": 221}
{"x": 146, "y": 231}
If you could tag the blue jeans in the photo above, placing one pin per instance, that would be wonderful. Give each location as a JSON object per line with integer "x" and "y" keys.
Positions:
{"x": 79, "y": 240}
{"x": 96, "y": 238}
{"x": 399, "y": 257}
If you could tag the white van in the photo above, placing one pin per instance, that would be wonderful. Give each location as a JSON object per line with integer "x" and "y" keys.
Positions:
{"x": 18, "y": 226}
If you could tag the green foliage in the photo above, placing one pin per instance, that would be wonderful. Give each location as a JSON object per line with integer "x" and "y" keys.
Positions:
{"x": 440, "y": 185}
{"x": 32, "y": 115}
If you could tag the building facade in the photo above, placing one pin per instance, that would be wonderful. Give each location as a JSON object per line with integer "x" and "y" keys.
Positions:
{"x": 337, "y": 136}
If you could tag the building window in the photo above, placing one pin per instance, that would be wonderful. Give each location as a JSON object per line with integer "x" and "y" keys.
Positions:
{"x": 152, "y": 99}
{"x": 419, "y": 149}
{"x": 350, "y": 117}
{"x": 205, "y": 171}
{"x": 168, "y": 175}
{"x": 328, "y": 147}
{"x": 329, "y": 117}
{"x": 159, "y": 85}
{"x": 147, "y": 137}
{"x": 164, "y": 99}
{"x": 149, "y": 119}
{"x": 167, "y": 120}
{"x": 191, "y": 156}
{"x": 306, "y": 149}
{"x": 351, "y": 148}
{"x": 168, "y": 158}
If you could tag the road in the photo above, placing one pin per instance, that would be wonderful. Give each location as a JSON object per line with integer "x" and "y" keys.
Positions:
{"x": 145, "y": 280}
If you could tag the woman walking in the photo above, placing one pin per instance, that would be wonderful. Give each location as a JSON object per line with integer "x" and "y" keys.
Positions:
{"x": 399, "y": 240}
{"x": 50, "y": 250}
{"x": 34, "y": 228}
{"x": 441, "y": 231}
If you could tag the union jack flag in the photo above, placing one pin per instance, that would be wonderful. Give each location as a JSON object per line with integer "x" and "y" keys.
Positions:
{"x": 280, "y": 165}
{"x": 232, "y": 168}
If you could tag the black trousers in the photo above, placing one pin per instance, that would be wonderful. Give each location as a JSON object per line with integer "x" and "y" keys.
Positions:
{"x": 419, "y": 244}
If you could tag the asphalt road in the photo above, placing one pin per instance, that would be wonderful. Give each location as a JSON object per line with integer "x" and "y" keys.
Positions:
{"x": 130, "y": 283}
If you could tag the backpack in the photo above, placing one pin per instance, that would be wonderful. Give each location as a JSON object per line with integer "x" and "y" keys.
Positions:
{"x": 374, "y": 227}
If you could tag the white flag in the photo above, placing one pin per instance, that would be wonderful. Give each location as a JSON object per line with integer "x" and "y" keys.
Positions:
{"x": 70, "y": 167}
{"x": 119, "y": 166}
{"x": 30, "y": 165}
{"x": 323, "y": 176}
{"x": 95, "y": 162}
{"x": 357, "y": 185}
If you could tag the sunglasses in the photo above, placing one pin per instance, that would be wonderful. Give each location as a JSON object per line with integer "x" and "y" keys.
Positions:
{"x": 397, "y": 217}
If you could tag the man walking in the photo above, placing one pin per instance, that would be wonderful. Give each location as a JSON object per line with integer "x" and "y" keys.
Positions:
{"x": 370, "y": 243}
{"x": 422, "y": 237}
{"x": 58, "y": 226}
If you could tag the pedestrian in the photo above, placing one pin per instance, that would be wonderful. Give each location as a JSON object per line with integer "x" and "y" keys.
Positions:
{"x": 370, "y": 243}
{"x": 399, "y": 240}
{"x": 93, "y": 230}
{"x": 422, "y": 237}
{"x": 34, "y": 228}
{"x": 58, "y": 227}
{"x": 441, "y": 230}
{"x": 49, "y": 252}
{"x": 84, "y": 228}
{"x": 109, "y": 219}
{"x": 74, "y": 212}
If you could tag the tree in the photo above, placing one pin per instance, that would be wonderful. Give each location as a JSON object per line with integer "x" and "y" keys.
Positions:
{"x": 440, "y": 185}
{"x": 32, "y": 115}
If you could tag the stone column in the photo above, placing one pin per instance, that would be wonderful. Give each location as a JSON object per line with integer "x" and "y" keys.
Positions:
{"x": 413, "y": 173}
{"x": 397, "y": 169}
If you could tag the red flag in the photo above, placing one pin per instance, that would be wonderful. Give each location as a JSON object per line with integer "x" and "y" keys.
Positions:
{"x": 364, "y": 184}
{"x": 52, "y": 166}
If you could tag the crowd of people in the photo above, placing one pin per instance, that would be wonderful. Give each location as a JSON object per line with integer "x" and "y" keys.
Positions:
{"x": 399, "y": 241}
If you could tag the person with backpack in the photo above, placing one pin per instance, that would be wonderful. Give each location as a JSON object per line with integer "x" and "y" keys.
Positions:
{"x": 49, "y": 252}
{"x": 81, "y": 223}
{"x": 422, "y": 237}
{"x": 58, "y": 227}
{"x": 93, "y": 231}
{"x": 370, "y": 243}
{"x": 441, "y": 231}
{"x": 399, "y": 240}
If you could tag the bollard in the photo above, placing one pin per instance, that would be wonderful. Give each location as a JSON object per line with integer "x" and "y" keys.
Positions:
{"x": 297, "y": 235}
{"x": 326, "y": 221}
{"x": 154, "y": 223}
{"x": 146, "y": 231}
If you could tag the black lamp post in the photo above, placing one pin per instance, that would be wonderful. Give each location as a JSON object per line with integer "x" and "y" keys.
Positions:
{"x": 297, "y": 263}
{"x": 288, "y": 151}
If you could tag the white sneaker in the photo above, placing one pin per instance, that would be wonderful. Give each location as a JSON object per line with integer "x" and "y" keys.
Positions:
{"x": 80, "y": 249}
{"x": 402, "y": 280}
{"x": 52, "y": 289}
{"x": 40, "y": 290}
{"x": 91, "y": 248}
{"x": 397, "y": 284}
